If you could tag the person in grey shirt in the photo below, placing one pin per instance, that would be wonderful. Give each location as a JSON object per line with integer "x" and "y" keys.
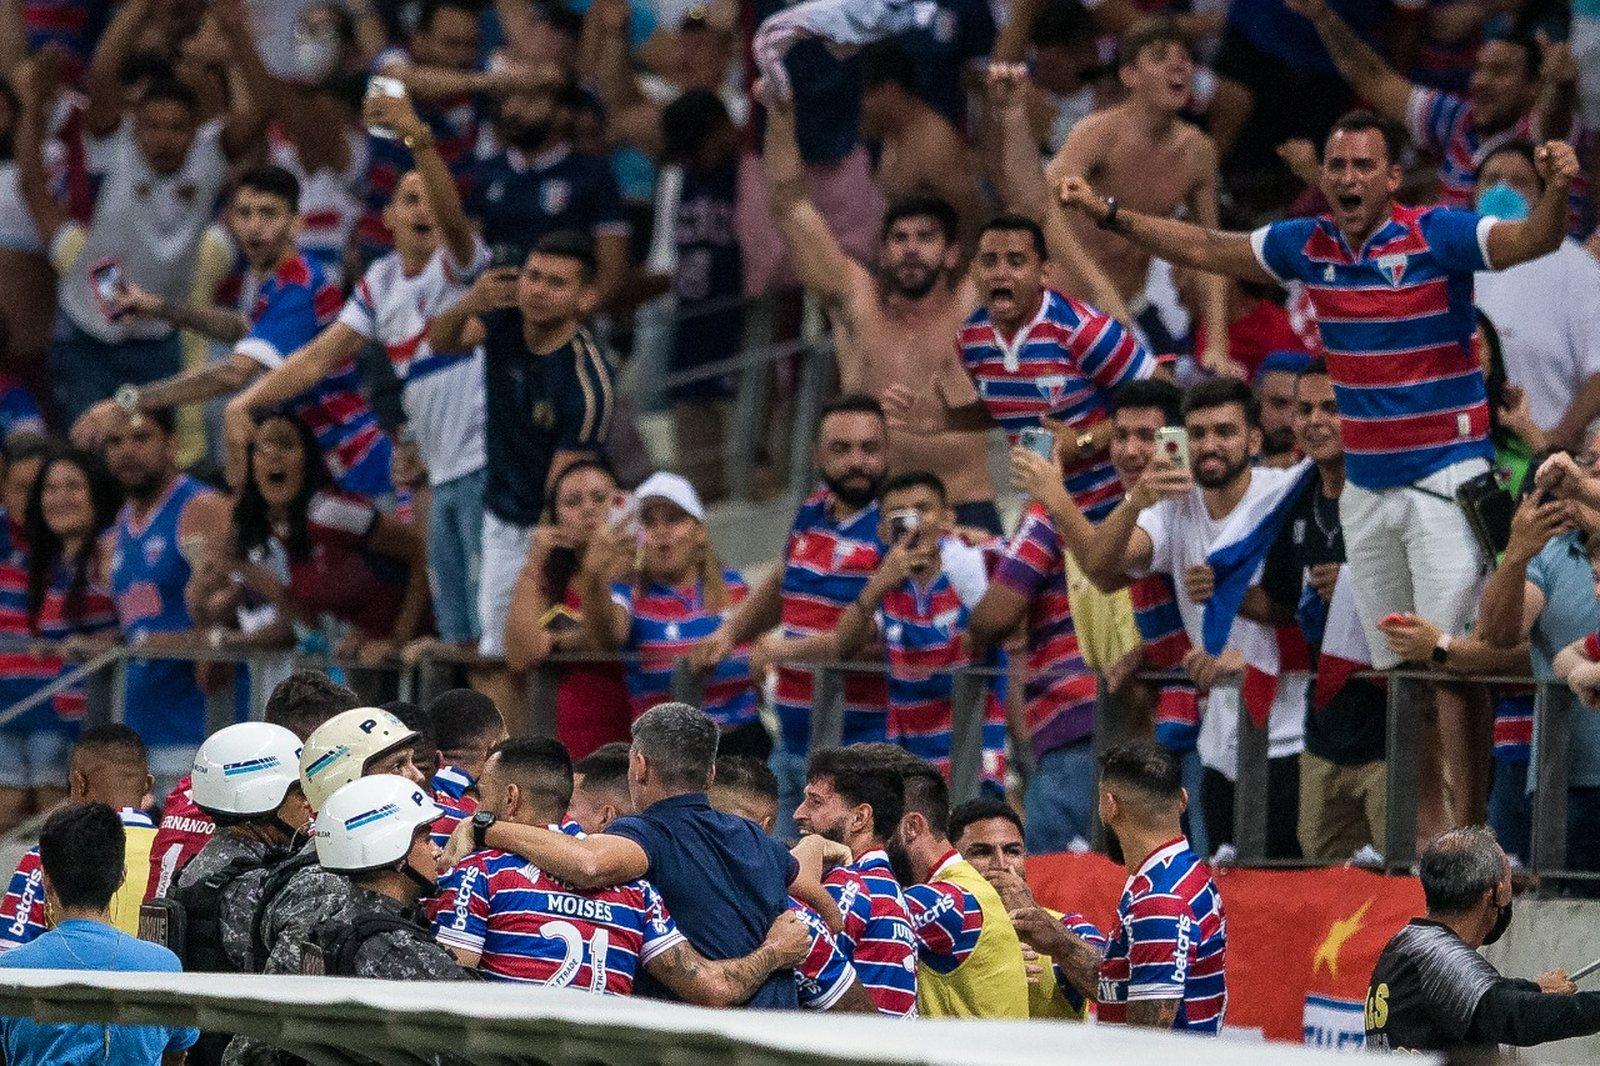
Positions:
{"x": 1432, "y": 991}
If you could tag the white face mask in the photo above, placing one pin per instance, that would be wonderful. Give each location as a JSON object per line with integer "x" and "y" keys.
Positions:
{"x": 315, "y": 56}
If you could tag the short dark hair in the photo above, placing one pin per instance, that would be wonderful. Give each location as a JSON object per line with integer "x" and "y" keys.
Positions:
{"x": 569, "y": 244}
{"x": 925, "y": 792}
{"x": 859, "y": 779}
{"x": 680, "y": 741}
{"x": 1361, "y": 120}
{"x": 911, "y": 479}
{"x": 886, "y": 63}
{"x": 82, "y": 848}
{"x": 538, "y": 765}
{"x": 982, "y": 809}
{"x": 1532, "y": 54}
{"x": 688, "y": 121}
{"x": 23, "y": 445}
{"x": 1144, "y": 765}
{"x": 431, "y": 8}
{"x": 463, "y": 715}
{"x": 1219, "y": 392}
{"x": 1521, "y": 148}
{"x": 1155, "y": 29}
{"x": 165, "y": 86}
{"x": 114, "y": 742}
{"x": 605, "y": 769}
{"x": 1458, "y": 866}
{"x": 1014, "y": 223}
{"x": 305, "y": 699}
{"x": 1151, "y": 393}
{"x": 921, "y": 205}
{"x": 420, "y": 721}
{"x": 748, "y": 775}
{"x": 1061, "y": 24}
{"x": 852, "y": 403}
{"x": 270, "y": 180}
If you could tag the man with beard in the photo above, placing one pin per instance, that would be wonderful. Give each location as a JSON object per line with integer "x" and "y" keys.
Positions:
{"x": 1433, "y": 991}
{"x": 855, "y": 802}
{"x": 833, "y": 550}
{"x": 1167, "y": 524}
{"x": 1275, "y": 389}
{"x": 539, "y": 184}
{"x": 168, "y": 523}
{"x": 549, "y": 393}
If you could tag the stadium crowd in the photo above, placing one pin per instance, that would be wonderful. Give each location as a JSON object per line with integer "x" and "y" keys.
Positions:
{"x": 1283, "y": 317}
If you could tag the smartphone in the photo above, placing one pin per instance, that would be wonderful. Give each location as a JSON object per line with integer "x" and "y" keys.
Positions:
{"x": 906, "y": 520}
{"x": 105, "y": 279}
{"x": 624, "y": 512}
{"x": 1172, "y": 445}
{"x": 383, "y": 85}
{"x": 1038, "y": 440}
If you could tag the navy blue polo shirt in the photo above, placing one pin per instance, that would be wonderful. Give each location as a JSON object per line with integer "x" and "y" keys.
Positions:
{"x": 722, "y": 878}
{"x": 536, "y": 406}
{"x": 519, "y": 199}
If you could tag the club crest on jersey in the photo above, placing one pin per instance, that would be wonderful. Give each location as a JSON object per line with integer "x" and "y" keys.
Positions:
{"x": 1392, "y": 267}
{"x": 1052, "y": 387}
{"x": 154, "y": 548}
{"x": 555, "y": 195}
{"x": 672, "y": 631}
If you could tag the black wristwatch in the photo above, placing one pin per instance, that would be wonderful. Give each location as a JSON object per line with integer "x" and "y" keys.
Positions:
{"x": 1441, "y": 650}
{"x": 1110, "y": 221}
{"x": 481, "y": 821}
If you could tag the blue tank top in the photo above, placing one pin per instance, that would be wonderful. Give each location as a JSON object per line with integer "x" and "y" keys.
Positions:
{"x": 163, "y": 704}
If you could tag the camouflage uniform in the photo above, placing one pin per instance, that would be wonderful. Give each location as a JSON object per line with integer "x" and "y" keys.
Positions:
{"x": 241, "y": 896}
{"x": 313, "y": 896}
{"x": 400, "y": 954}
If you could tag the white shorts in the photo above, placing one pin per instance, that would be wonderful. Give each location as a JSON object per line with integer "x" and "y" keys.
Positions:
{"x": 505, "y": 549}
{"x": 1410, "y": 551}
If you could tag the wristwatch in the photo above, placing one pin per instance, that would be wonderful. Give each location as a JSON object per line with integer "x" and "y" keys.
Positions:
{"x": 421, "y": 139}
{"x": 1441, "y": 650}
{"x": 481, "y": 822}
{"x": 1110, "y": 221}
{"x": 127, "y": 398}
{"x": 1085, "y": 443}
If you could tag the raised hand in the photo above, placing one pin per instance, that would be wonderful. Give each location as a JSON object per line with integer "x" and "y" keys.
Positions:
{"x": 1556, "y": 162}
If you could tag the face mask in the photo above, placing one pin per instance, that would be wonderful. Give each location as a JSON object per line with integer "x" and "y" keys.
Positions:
{"x": 314, "y": 57}
{"x": 1501, "y": 921}
{"x": 1503, "y": 202}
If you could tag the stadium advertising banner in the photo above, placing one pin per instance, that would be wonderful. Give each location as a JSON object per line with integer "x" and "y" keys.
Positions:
{"x": 1301, "y": 944}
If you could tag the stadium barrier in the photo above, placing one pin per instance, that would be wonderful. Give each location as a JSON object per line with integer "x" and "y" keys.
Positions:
{"x": 334, "y": 1021}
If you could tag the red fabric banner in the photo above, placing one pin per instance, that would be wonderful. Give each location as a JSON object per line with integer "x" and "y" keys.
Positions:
{"x": 1301, "y": 943}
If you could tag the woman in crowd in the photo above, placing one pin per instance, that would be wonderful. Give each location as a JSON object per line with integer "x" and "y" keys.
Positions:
{"x": 53, "y": 588}
{"x": 346, "y": 559}
{"x": 544, "y": 618}
{"x": 675, "y": 593}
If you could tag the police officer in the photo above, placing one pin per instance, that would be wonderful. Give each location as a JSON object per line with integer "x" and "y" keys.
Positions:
{"x": 375, "y": 830}
{"x": 1432, "y": 991}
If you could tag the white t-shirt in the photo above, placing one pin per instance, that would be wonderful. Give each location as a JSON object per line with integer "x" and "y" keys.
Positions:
{"x": 1547, "y": 312}
{"x": 443, "y": 395}
{"x": 329, "y": 204}
{"x": 150, "y": 223}
{"x": 1181, "y": 534}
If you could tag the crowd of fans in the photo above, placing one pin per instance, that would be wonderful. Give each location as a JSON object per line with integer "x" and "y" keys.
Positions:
{"x": 329, "y": 327}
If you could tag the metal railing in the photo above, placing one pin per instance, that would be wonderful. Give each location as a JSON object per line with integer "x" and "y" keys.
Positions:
{"x": 1409, "y": 693}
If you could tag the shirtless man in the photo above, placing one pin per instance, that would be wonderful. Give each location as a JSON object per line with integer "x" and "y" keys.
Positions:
{"x": 1153, "y": 161}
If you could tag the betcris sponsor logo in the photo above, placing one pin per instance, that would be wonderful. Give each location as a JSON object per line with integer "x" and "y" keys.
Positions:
{"x": 1339, "y": 1024}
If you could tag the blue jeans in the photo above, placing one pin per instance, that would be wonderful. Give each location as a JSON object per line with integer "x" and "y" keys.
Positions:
{"x": 1583, "y": 829}
{"x": 1511, "y": 808}
{"x": 1060, "y": 800}
{"x": 455, "y": 555}
{"x": 88, "y": 370}
{"x": 790, "y": 770}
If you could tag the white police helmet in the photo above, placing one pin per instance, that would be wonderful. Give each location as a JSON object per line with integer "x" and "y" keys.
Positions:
{"x": 338, "y": 752}
{"x": 245, "y": 769}
{"x": 370, "y": 823}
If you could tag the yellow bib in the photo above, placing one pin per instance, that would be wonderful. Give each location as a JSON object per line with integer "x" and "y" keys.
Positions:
{"x": 992, "y": 982}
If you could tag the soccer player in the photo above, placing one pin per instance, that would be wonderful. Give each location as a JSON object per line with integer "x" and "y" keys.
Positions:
{"x": 290, "y": 299}
{"x": 515, "y": 922}
{"x": 600, "y": 788}
{"x": 854, "y": 801}
{"x": 1392, "y": 288}
{"x": 1164, "y": 966}
{"x": 467, "y": 726}
{"x": 435, "y": 256}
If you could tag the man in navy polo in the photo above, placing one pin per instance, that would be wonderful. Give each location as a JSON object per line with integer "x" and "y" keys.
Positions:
{"x": 723, "y": 879}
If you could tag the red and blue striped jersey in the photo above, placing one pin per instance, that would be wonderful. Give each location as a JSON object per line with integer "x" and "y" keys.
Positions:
{"x": 1513, "y": 727}
{"x": 452, "y": 783}
{"x": 826, "y": 565}
{"x": 22, "y": 917}
{"x": 288, "y": 309}
{"x": 23, "y": 672}
{"x": 527, "y": 926}
{"x": 1396, "y": 321}
{"x": 877, "y": 934}
{"x": 1060, "y": 691}
{"x": 825, "y": 973}
{"x": 946, "y": 920}
{"x": 1171, "y": 942}
{"x": 1445, "y": 124}
{"x": 925, "y": 638}
{"x": 666, "y": 623}
{"x": 1063, "y": 365}
{"x": 1088, "y": 932}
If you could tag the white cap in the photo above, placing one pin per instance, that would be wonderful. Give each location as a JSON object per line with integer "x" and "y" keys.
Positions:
{"x": 370, "y": 823}
{"x": 675, "y": 489}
